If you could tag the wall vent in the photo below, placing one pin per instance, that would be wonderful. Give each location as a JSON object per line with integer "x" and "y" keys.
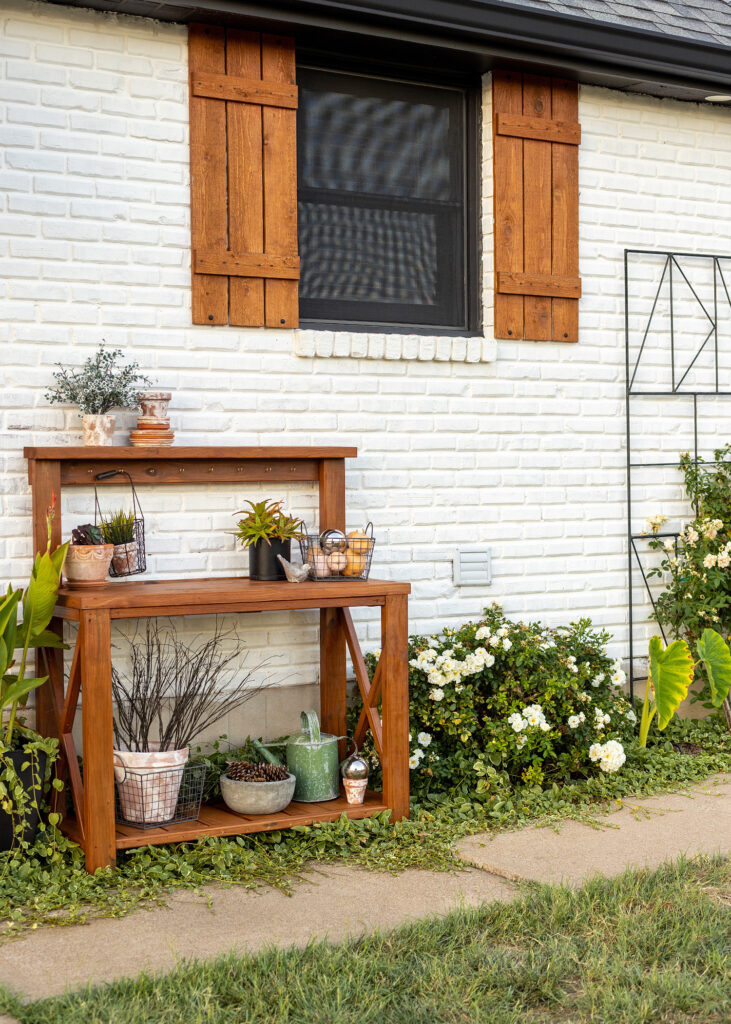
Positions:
{"x": 472, "y": 567}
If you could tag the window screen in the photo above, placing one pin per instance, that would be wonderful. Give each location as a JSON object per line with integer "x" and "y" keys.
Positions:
{"x": 381, "y": 199}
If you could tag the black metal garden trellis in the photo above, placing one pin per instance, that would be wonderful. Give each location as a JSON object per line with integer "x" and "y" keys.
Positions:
{"x": 674, "y": 281}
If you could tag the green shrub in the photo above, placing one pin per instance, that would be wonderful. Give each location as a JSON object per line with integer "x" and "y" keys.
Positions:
{"x": 523, "y": 701}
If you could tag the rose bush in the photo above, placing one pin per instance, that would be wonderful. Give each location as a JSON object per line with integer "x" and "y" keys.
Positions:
{"x": 534, "y": 703}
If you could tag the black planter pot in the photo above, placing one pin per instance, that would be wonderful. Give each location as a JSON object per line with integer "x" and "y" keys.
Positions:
{"x": 263, "y": 562}
{"x": 18, "y": 758}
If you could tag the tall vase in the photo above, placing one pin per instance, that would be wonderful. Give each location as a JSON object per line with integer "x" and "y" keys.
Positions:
{"x": 98, "y": 429}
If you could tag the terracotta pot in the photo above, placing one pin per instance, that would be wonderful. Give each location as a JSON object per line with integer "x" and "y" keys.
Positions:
{"x": 154, "y": 409}
{"x": 124, "y": 558}
{"x": 148, "y": 783}
{"x": 98, "y": 430}
{"x": 355, "y": 790}
{"x": 88, "y": 563}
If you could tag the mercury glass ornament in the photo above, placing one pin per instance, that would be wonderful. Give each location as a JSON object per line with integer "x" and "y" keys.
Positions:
{"x": 355, "y": 767}
{"x": 333, "y": 540}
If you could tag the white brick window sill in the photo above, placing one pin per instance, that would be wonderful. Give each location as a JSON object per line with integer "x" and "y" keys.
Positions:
{"x": 343, "y": 345}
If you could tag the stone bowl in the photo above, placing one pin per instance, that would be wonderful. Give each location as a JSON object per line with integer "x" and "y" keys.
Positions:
{"x": 257, "y": 797}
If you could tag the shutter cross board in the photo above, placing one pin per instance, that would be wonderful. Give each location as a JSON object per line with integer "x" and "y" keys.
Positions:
{"x": 536, "y": 135}
{"x": 243, "y": 163}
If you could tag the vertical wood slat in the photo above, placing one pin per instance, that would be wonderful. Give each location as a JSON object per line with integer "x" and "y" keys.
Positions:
{"x": 508, "y": 202}
{"x": 245, "y": 180}
{"x": 537, "y": 207}
{"x": 279, "y": 127}
{"x": 209, "y": 219}
{"x": 565, "y": 210}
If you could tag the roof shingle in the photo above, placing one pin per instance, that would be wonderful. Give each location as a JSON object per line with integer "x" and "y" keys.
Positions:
{"x": 705, "y": 20}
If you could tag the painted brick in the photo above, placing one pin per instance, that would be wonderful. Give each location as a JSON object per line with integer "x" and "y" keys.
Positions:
{"x": 517, "y": 446}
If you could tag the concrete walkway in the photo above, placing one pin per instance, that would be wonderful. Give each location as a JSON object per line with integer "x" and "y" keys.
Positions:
{"x": 641, "y": 833}
{"x": 336, "y": 901}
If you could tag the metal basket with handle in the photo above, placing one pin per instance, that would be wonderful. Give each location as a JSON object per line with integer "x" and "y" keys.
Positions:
{"x": 333, "y": 555}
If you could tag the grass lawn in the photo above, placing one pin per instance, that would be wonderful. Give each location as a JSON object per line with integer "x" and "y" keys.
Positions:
{"x": 646, "y": 947}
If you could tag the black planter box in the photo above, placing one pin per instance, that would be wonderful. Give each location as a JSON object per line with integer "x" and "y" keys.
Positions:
{"x": 17, "y": 758}
{"x": 263, "y": 562}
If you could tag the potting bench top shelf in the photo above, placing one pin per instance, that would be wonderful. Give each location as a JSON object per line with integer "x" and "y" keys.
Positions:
{"x": 128, "y": 600}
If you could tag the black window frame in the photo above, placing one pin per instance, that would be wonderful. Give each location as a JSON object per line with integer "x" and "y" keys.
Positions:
{"x": 471, "y": 92}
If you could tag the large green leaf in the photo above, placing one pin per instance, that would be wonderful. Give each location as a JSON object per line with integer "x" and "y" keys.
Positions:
{"x": 716, "y": 657}
{"x": 39, "y": 599}
{"x": 19, "y": 689}
{"x": 8, "y": 608}
{"x": 671, "y": 671}
{"x": 48, "y": 639}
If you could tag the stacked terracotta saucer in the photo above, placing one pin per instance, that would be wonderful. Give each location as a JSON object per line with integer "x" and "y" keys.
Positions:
{"x": 153, "y": 426}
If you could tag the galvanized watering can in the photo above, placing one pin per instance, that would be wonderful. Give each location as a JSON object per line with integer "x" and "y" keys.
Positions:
{"x": 312, "y": 757}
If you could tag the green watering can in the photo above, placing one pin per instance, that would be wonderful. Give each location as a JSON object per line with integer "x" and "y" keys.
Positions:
{"x": 312, "y": 757}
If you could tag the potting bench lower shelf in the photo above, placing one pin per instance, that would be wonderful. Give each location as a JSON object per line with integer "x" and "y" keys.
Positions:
{"x": 218, "y": 820}
{"x": 385, "y": 698}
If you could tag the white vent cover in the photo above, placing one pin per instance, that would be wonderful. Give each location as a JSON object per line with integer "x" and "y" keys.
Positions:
{"x": 472, "y": 567}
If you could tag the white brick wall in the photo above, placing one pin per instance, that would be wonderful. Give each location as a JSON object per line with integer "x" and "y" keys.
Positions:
{"x": 524, "y": 454}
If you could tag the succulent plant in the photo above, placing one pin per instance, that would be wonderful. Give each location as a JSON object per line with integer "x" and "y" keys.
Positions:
{"x": 87, "y": 535}
{"x": 119, "y": 528}
{"x": 265, "y": 521}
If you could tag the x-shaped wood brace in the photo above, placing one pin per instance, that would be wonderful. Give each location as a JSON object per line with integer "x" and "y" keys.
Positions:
{"x": 369, "y": 691}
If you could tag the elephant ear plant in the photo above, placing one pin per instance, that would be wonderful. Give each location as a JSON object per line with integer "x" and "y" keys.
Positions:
{"x": 671, "y": 672}
{"x": 19, "y": 790}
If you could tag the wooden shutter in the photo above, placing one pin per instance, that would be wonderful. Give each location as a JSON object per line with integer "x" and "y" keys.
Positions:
{"x": 243, "y": 178}
{"x": 536, "y": 135}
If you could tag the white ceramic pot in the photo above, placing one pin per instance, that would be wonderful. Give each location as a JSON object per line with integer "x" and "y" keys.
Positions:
{"x": 98, "y": 429}
{"x": 124, "y": 558}
{"x": 148, "y": 783}
{"x": 257, "y": 797}
{"x": 88, "y": 563}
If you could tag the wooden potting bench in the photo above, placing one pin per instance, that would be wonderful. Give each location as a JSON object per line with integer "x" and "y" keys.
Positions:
{"x": 93, "y": 825}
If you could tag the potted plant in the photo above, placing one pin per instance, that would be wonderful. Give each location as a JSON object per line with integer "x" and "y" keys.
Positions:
{"x": 119, "y": 530}
{"x": 249, "y": 787}
{"x": 25, "y": 756}
{"x": 172, "y": 692}
{"x": 267, "y": 531}
{"x": 88, "y": 557}
{"x": 100, "y": 385}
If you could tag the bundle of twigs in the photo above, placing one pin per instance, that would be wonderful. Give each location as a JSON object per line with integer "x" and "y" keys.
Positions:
{"x": 175, "y": 690}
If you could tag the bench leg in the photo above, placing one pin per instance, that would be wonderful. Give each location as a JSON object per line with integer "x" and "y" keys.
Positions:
{"x": 98, "y": 739}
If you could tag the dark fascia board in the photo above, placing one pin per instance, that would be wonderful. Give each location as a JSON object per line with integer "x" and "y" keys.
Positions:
{"x": 482, "y": 32}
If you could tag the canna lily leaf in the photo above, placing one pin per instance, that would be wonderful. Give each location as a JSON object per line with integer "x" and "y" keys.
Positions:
{"x": 19, "y": 689}
{"x": 716, "y": 657}
{"x": 671, "y": 672}
{"x": 46, "y": 638}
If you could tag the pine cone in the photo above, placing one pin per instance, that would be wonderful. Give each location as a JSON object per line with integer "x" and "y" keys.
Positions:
{"x": 247, "y": 771}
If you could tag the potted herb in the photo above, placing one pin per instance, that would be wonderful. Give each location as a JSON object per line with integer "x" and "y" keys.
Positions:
{"x": 25, "y": 757}
{"x": 267, "y": 531}
{"x": 102, "y": 384}
{"x": 119, "y": 530}
{"x": 88, "y": 558}
{"x": 172, "y": 692}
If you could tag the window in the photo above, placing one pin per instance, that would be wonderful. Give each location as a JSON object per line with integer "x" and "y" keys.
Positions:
{"x": 383, "y": 192}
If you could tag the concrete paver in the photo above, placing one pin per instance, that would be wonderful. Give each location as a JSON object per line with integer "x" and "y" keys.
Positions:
{"x": 334, "y": 901}
{"x": 642, "y": 833}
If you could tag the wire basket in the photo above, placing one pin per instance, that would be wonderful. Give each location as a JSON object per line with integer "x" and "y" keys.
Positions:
{"x": 333, "y": 555}
{"x": 149, "y": 798}
{"x": 128, "y": 559}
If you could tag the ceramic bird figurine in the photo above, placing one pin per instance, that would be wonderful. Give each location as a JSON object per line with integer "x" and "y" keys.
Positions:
{"x": 294, "y": 573}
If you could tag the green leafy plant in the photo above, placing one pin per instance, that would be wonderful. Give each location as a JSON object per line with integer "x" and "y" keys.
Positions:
{"x": 672, "y": 670}
{"x": 119, "y": 528}
{"x": 695, "y": 563}
{"x": 37, "y": 602}
{"x": 101, "y": 384}
{"x": 87, "y": 535}
{"x": 265, "y": 521}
